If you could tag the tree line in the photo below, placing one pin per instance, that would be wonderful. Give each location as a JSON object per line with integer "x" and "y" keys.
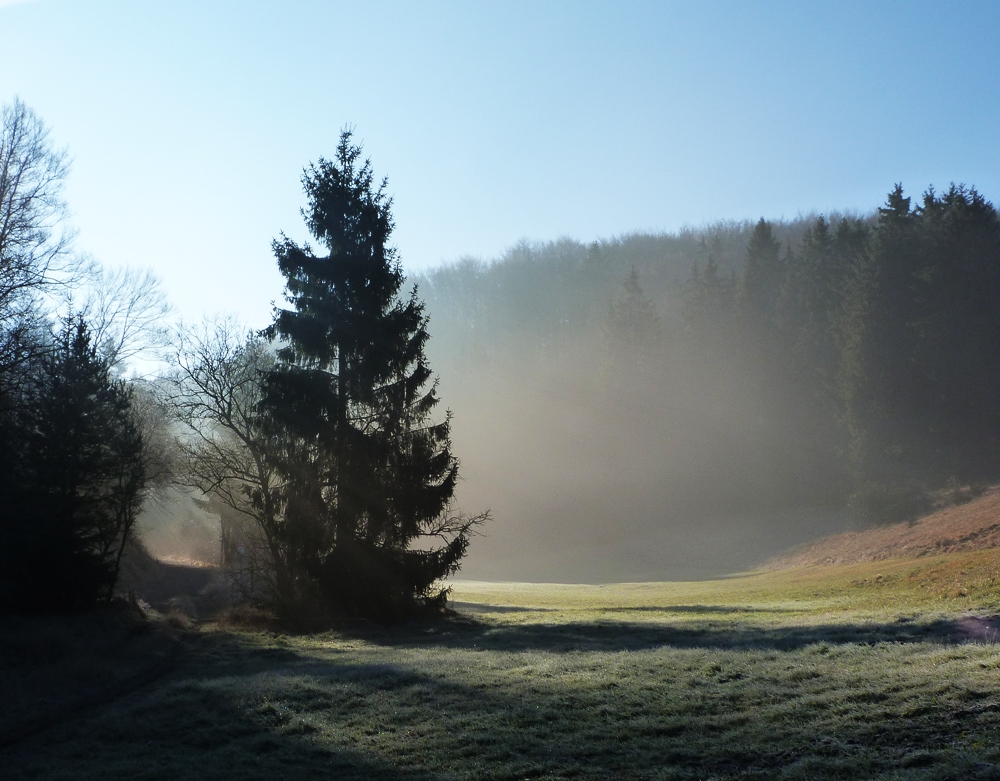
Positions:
{"x": 876, "y": 343}
{"x": 854, "y": 356}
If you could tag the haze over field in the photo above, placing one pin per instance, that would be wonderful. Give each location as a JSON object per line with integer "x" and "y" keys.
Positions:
{"x": 599, "y": 468}
{"x": 672, "y": 406}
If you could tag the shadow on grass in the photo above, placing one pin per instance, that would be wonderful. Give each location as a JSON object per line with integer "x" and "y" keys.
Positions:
{"x": 722, "y": 609}
{"x": 228, "y": 715}
{"x": 237, "y": 709}
{"x": 477, "y": 607}
{"x": 470, "y": 632}
{"x": 242, "y": 711}
{"x": 271, "y": 714}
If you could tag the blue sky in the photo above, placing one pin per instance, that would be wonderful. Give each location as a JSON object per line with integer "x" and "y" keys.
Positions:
{"x": 189, "y": 122}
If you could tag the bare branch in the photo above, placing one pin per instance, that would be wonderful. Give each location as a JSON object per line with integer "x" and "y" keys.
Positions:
{"x": 126, "y": 309}
{"x": 34, "y": 242}
{"x": 215, "y": 390}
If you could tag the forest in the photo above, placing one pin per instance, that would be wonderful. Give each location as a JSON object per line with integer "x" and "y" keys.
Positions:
{"x": 682, "y": 405}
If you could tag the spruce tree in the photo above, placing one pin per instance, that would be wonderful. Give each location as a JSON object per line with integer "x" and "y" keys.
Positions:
{"x": 82, "y": 479}
{"x": 632, "y": 330}
{"x": 930, "y": 342}
{"x": 368, "y": 476}
{"x": 762, "y": 275}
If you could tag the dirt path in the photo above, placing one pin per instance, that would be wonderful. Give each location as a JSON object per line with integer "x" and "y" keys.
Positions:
{"x": 197, "y": 592}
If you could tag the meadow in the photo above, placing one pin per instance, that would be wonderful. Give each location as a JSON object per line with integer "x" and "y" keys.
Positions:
{"x": 876, "y": 670}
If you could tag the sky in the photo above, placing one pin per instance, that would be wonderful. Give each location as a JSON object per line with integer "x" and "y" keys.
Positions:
{"x": 189, "y": 122}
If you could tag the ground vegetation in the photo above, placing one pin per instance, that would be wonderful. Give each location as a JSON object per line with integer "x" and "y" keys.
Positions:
{"x": 879, "y": 669}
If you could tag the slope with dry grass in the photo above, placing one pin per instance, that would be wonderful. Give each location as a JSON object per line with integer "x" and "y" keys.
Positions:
{"x": 972, "y": 526}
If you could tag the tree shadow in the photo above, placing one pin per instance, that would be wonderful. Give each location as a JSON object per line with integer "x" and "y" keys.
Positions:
{"x": 723, "y": 609}
{"x": 219, "y": 718}
{"x": 478, "y": 607}
{"x": 608, "y": 635}
{"x": 237, "y": 708}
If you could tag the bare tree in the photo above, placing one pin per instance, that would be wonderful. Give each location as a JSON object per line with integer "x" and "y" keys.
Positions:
{"x": 215, "y": 389}
{"x": 126, "y": 309}
{"x": 34, "y": 240}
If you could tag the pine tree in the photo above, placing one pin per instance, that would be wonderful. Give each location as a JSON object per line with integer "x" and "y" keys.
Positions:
{"x": 957, "y": 330}
{"x": 762, "y": 276}
{"x": 920, "y": 347}
{"x": 82, "y": 481}
{"x": 368, "y": 476}
{"x": 632, "y": 330}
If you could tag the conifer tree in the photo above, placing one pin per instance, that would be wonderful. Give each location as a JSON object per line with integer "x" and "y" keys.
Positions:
{"x": 82, "y": 481}
{"x": 368, "y": 476}
{"x": 762, "y": 275}
{"x": 927, "y": 349}
{"x": 632, "y": 330}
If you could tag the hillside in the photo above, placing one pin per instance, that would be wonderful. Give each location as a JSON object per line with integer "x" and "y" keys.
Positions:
{"x": 974, "y": 525}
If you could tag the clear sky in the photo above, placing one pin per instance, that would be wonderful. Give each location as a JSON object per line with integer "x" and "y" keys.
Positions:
{"x": 189, "y": 121}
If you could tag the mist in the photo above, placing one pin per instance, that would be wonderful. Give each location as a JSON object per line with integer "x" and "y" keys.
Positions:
{"x": 175, "y": 527}
{"x": 689, "y": 405}
{"x": 586, "y": 491}
{"x": 615, "y": 457}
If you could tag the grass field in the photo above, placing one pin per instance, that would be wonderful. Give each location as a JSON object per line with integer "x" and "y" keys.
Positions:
{"x": 875, "y": 670}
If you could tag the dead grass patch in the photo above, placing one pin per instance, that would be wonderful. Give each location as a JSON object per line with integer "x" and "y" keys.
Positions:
{"x": 974, "y": 525}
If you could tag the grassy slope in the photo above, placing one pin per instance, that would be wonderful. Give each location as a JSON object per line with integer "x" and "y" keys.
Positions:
{"x": 974, "y": 525}
{"x": 882, "y": 669}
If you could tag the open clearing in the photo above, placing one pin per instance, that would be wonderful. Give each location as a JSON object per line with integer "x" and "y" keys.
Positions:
{"x": 878, "y": 669}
